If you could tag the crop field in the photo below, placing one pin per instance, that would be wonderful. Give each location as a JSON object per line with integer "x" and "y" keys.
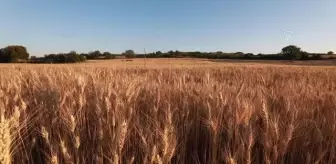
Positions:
{"x": 161, "y": 111}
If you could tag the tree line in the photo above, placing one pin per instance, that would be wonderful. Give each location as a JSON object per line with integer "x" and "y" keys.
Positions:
{"x": 97, "y": 55}
{"x": 74, "y": 57}
{"x": 290, "y": 52}
{"x": 71, "y": 57}
{"x": 19, "y": 54}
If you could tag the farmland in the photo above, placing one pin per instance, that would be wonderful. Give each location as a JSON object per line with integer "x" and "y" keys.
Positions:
{"x": 168, "y": 111}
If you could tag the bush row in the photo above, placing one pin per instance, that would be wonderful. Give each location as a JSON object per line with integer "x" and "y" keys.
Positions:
{"x": 14, "y": 54}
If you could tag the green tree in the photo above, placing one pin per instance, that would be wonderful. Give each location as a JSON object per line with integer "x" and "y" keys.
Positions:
{"x": 93, "y": 55}
{"x": 14, "y": 57}
{"x": 108, "y": 55}
{"x": 304, "y": 55}
{"x": 330, "y": 53}
{"x": 292, "y": 52}
{"x": 170, "y": 54}
{"x": 14, "y": 53}
{"x": 248, "y": 55}
{"x": 1, "y": 53}
{"x": 240, "y": 53}
{"x": 129, "y": 54}
{"x": 72, "y": 57}
{"x": 219, "y": 52}
{"x": 82, "y": 58}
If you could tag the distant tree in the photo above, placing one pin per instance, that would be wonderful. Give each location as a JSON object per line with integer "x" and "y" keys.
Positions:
{"x": 1, "y": 52}
{"x": 291, "y": 49}
{"x": 93, "y": 55}
{"x": 82, "y": 58}
{"x": 14, "y": 54}
{"x": 73, "y": 52}
{"x": 96, "y": 53}
{"x": 330, "y": 53}
{"x": 248, "y": 55}
{"x": 72, "y": 57}
{"x": 108, "y": 55}
{"x": 170, "y": 53}
{"x": 129, "y": 54}
{"x": 292, "y": 52}
{"x": 240, "y": 53}
{"x": 157, "y": 54}
{"x": 83, "y": 54}
{"x": 177, "y": 53}
{"x": 304, "y": 55}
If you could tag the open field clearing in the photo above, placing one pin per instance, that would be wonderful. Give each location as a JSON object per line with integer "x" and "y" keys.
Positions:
{"x": 167, "y": 111}
{"x": 190, "y": 62}
{"x": 179, "y": 62}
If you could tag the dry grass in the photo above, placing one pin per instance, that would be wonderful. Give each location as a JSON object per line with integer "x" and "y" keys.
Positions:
{"x": 178, "y": 114}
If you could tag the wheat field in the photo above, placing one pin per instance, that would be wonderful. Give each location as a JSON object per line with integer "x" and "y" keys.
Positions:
{"x": 194, "y": 112}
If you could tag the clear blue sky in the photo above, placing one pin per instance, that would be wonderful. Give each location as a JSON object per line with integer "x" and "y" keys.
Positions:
{"x": 49, "y": 26}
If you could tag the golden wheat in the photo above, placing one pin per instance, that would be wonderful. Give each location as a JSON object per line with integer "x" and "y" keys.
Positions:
{"x": 182, "y": 114}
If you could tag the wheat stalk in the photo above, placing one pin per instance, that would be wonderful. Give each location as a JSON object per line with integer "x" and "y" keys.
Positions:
{"x": 5, "y": 141}
{"x": 7, "y": 135}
